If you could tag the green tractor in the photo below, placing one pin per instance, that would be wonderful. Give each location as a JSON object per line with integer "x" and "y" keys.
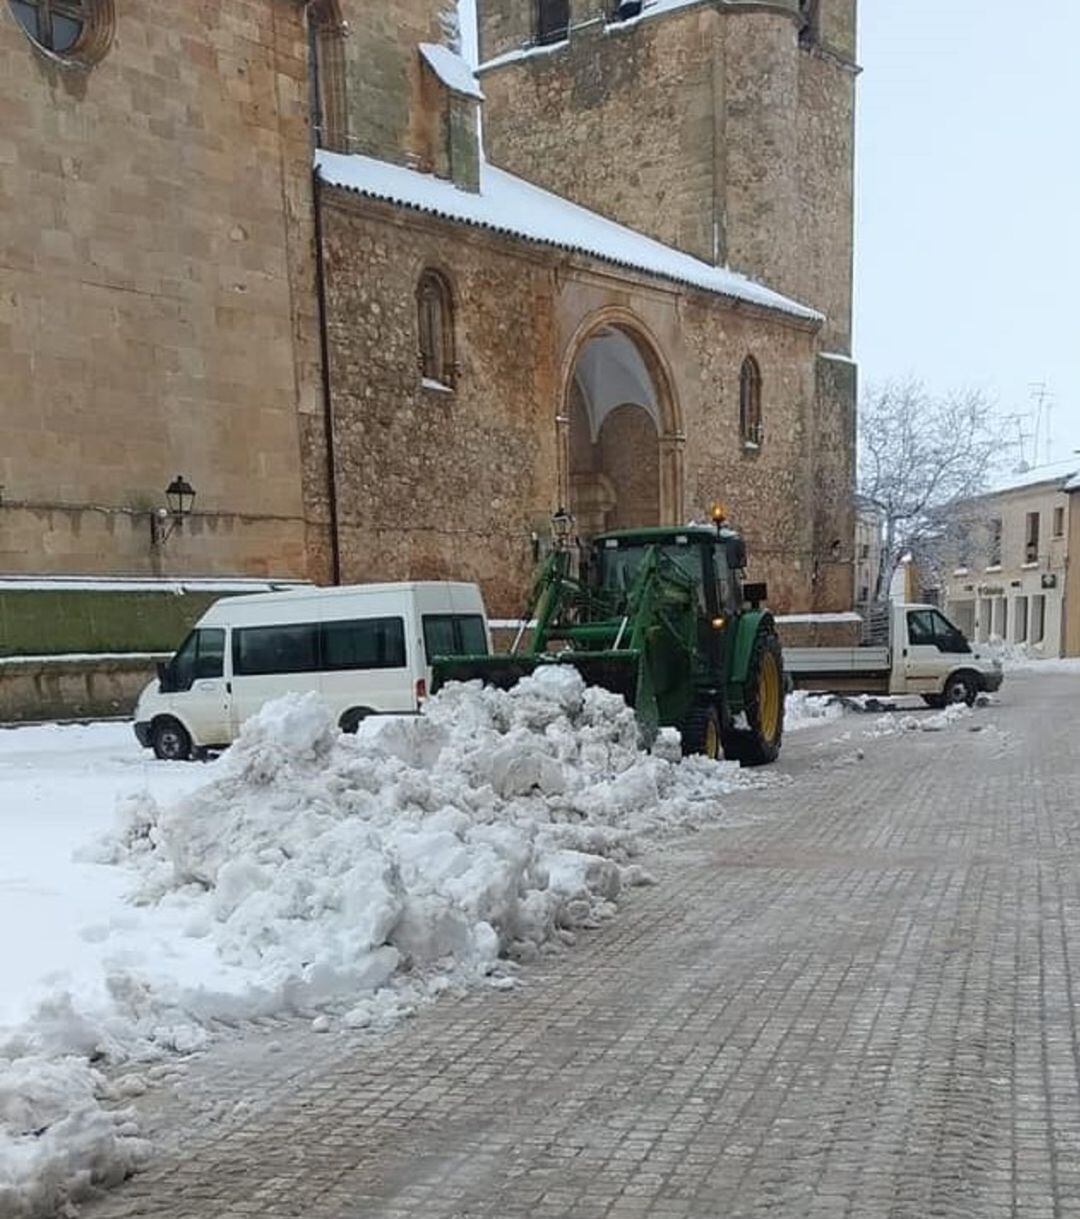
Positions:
{"x": 662, "y": 617}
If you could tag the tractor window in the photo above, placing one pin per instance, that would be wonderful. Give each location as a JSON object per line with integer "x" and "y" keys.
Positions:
{"x": 725, "y": 581}
{"x": 620, "y": 566}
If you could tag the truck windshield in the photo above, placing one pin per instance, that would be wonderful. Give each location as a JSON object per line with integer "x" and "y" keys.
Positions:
{"x": 620, "y": 565}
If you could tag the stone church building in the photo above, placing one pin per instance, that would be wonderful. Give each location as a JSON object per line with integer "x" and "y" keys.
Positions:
{"x": 634, "y": 301}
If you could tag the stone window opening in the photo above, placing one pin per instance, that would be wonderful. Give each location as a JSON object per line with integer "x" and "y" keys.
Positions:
{"x": 624, "y": 10}
{"x": 808, "y": 22}
{"x": 435, "y": 318}
{"x": 75, "y": 32}
{"x": 750, "y": 425}
{"x": 552, "y": 21}
{"x": 327, "y": 31}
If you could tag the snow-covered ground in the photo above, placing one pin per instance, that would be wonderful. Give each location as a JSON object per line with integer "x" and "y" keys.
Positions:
{"x": 343, "y": 880}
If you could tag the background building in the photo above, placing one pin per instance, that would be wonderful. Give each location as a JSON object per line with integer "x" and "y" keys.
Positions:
{"x": 1017, "y": 578}
{"x": 401, "y": 366}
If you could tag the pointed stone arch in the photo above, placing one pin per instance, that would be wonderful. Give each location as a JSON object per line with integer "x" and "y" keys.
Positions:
{"x": 620, "y": 426}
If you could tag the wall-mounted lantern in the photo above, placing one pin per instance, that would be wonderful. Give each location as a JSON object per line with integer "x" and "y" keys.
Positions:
{"x": 181, "y": 496}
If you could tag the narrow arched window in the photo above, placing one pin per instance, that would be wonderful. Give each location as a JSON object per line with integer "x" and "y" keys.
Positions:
{"x": 326, "y": 75}
{"x": 435, "y": 317}
{"x": 552, "y": 20}
{"x": 750, "y": 404}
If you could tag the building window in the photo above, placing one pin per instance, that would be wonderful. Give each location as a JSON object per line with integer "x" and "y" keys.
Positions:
{"x": 1059, "y": 522}
{"x": 1038, "y": 619}
{"x": 1031, "y": 538}
{"x": 435, "y": 315}
{"x": 77, "y": 31}
{"x": 623, "y": 10}
{"x": 995, "y": 542}
{"x": 808, "y": 22}
{"x": 750, "y": 404}
{"x": 552, "y": 20}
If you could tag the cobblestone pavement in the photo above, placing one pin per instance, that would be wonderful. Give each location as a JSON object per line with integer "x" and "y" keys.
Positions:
{"x": 856, "y": 999}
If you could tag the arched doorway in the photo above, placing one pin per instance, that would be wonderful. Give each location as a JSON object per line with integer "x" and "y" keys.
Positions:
{"x": 622, "y": 445}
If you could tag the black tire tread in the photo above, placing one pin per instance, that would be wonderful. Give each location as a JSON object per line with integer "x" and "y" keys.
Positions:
{"x": 747, "y": 745}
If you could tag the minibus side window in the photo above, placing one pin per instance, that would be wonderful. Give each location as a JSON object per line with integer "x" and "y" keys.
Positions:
{"x": 454, "y": 635}
{"x": 367, "y": 643}
{"x": 263, "y": 650}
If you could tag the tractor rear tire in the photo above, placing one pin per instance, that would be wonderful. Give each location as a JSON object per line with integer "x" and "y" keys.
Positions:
{"x": 759, "y": 744}
{"x": 701, "y": 732}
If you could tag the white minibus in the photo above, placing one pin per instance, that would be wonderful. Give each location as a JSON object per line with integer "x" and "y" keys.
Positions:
{"x": 366, "y": 648}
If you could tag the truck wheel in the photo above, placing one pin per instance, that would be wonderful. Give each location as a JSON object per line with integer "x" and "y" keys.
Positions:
{"x": 701, "y": 732}
{"x": 961, "y": 688}
{"x": 764, "y": 705}
{"x": 170, "y": 740}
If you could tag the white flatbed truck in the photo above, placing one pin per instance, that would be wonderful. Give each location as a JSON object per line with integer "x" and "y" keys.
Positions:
{"x": 925, "y": 655}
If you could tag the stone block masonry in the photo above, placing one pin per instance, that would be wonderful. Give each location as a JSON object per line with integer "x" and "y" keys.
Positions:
{"x": 439, "y": 483}
{"x": 156, "y": 293}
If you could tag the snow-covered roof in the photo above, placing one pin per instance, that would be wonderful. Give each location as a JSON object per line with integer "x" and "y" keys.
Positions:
{"x": 1065, "y": 472}
{"x": 510, "y": 205}
{"x": 451, "y": 69}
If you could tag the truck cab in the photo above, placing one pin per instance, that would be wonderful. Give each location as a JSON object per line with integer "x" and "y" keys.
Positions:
{"x": 926, "y": 654}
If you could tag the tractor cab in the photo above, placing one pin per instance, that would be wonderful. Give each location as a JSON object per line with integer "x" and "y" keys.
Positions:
{"x": 712, "y": 560}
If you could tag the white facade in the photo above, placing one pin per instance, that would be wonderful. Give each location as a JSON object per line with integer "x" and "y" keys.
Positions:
{"x": 1009, "y": 584}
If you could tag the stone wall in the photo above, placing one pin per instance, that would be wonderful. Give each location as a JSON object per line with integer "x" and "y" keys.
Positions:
{"x": 708, "y": 127}
{"x": 67, "y": 689}
{"x": 157, "y": 308}
{"x": 619, "y": 121}
{"x": 438, "y": 484}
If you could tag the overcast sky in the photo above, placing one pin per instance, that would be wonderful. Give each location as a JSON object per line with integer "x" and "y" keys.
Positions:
{"x": 968, "y": 241}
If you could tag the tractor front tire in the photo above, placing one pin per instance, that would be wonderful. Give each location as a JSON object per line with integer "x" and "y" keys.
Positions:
{"x": 701, "y": 732}
{"x": 759, "y": 743}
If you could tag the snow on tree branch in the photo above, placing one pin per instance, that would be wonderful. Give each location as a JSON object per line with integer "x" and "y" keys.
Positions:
{"x": 920, "y": 457}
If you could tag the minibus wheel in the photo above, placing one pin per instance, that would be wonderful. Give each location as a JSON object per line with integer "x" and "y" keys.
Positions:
{"x": 170, "y": 740}
{"x": 350, "y": 720}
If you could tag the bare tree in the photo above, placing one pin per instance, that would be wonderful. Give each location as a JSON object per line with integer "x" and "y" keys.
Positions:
{"x": 922, "y": 461}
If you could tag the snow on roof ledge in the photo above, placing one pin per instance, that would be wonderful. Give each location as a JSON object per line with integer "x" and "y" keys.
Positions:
{"x": 451, "y": 69}
{"x": 1066, "y": 473}
{"x": 510, "y": 205}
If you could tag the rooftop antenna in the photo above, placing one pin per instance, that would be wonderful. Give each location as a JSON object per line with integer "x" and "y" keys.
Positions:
{"x": 1044, "y": 413}
{"x": 1022, "y": 437}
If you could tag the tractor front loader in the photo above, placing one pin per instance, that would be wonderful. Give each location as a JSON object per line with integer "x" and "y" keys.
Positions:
{"x": 662, "y": 617}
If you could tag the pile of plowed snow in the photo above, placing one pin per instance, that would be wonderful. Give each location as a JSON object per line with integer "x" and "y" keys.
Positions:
{"x": 347, "y": 879}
